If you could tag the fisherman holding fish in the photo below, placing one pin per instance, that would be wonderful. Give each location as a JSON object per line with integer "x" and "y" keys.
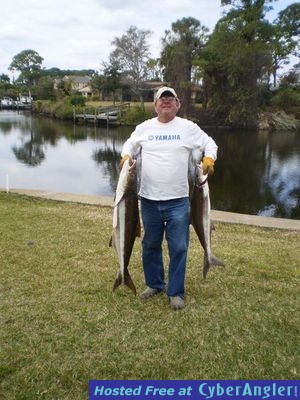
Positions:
{"x": 165, "y": 144}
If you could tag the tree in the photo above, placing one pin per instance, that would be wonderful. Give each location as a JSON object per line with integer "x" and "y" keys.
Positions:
{"x": 236, "y": 57}
{"x": 4, "y": 78}
{"x": 289, "y": 19}
{"x": 181, "y": 46}
{"x": 5, "y": 85}
{"x": 285, "y": 30}
{"x": 108, "y": 82}
{"x": 29, "y": 63}
{"x": 56, "y": 72}
{"x": 112, "y": 79}
{"x": 97, "y": 83}
{"x": 44, "y": 89}
{"x": 154, "y": 70}
{"x": 291, "y": 78}
{"x": 131, "y": 55}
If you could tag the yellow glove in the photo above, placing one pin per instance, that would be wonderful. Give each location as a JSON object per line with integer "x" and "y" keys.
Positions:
{"x": 124, "y": 158}
{"x": 208, "y": 165}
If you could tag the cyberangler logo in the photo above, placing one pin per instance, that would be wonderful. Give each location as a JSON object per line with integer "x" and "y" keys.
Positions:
{"x": 246, "y": 390}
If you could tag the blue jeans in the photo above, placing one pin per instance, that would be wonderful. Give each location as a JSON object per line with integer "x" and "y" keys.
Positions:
{"x": 171, "y": 217}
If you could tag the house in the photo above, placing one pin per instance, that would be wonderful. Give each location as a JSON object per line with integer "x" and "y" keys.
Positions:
{"x": 151, "y": 88}
{"x": 80, "y": 84}
{"x": 86, "y": 91}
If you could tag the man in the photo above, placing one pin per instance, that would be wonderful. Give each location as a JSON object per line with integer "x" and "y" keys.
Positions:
{"x": 165, "y": 143}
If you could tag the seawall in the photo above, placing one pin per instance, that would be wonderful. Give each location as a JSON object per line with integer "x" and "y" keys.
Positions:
{"x": 218, "y": 216}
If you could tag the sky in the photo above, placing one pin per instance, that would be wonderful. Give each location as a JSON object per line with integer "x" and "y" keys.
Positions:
{"x": 73, "y": 34}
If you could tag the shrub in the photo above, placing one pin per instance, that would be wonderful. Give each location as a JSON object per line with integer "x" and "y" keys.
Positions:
{"x": 63, "y": 110}
{"x": 286, "y": 98}
{"x": 77, "y": 100}
{"x": 43, "y": 106}
{"x": 38, "y": 106}
{"x": 264, "y": 96}
{"x": 135, "y": 115}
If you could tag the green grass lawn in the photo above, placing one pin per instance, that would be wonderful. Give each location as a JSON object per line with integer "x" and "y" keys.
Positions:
{"x": 62, "y": 325}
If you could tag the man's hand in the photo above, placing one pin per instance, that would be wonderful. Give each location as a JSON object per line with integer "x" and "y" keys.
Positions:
{"x": 208, "y": 165}
{"x": 124, "y": 158}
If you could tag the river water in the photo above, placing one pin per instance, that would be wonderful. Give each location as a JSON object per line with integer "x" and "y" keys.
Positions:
{"x": 256, "y": 173}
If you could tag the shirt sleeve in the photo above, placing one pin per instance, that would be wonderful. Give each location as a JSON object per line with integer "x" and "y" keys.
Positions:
{"x": 203, "y": 142}
{"x": 132, "y": 144}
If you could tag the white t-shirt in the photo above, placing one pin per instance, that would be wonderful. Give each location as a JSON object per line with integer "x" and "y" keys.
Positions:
{"x": 165, "y": 150}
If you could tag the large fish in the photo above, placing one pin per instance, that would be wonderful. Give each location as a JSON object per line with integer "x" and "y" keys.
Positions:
{"x": 200, "y": 214}
{"x": 126, "y": 222}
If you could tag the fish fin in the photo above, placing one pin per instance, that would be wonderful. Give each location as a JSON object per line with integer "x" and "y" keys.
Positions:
{"x": 138, "y": 228}
{"x": 206, "y": 266}
{"x": 192, "y": 221}
{"x": 129, "y": 283}
{"x": 216, "y": 261}
{"x": 118, "y": 281}
{"x": 209, "y": 262}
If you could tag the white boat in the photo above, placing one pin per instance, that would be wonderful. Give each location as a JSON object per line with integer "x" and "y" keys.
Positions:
{"x": 111, "y": 116}
{"x": 7, "y": 102}
{"x": 25, "y": 100}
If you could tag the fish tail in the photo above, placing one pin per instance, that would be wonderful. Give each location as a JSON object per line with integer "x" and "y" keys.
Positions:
{"x": 216, "y": 261}
{"x": 118, "y": 281}
{"x": 208, "y": 262}
{"x": 206, "y": 266}
{"x": 129, "y": 283}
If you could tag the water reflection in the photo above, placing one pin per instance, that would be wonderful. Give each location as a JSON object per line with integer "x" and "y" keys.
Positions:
{"x": 282, "y": 174}
{"x": 260, "y": 170}
{"x": 30, "y": 152}
{"x": 256, "y": 173}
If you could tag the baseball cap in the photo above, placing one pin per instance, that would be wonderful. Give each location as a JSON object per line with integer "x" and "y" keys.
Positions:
{"x": 165, "y": 90}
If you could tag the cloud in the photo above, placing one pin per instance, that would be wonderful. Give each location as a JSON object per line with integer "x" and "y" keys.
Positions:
{"x": 78, "y": 33}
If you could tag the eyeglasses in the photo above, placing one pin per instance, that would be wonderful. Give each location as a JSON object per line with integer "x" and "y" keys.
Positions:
{"x": 167, "y": 98}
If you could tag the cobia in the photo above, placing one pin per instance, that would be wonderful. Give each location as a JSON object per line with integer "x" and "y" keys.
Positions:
{"x": 126, "y": 222}
{"x": 200, "y": 214}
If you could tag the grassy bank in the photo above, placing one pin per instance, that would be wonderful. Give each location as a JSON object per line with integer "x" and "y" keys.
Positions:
{"x": 269, "y": 120}
{"x": 63, "y": 109}
{"x": 61, "y": 325}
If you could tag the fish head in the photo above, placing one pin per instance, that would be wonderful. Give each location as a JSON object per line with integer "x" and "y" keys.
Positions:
{"x": 195, "y": 169}
{"x": 131, "y": 182}
{"x": 126, "y": 180}
{"x": 200, "y": 176}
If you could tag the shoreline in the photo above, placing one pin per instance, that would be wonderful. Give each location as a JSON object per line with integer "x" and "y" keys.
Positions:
{"x": 216, "y": 215}
{"x": 268, "y": 121}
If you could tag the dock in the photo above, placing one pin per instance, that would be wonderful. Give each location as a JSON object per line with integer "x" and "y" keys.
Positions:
{"x": 17, "y": 107}
{"x": 109, "y": 115}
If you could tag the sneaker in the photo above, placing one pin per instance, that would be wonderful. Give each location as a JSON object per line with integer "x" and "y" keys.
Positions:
{"x": 176, "y": 303}
{"x": 150, "y": 292}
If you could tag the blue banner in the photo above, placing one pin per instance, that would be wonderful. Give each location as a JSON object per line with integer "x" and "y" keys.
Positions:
{"x": 193, "y": 390}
